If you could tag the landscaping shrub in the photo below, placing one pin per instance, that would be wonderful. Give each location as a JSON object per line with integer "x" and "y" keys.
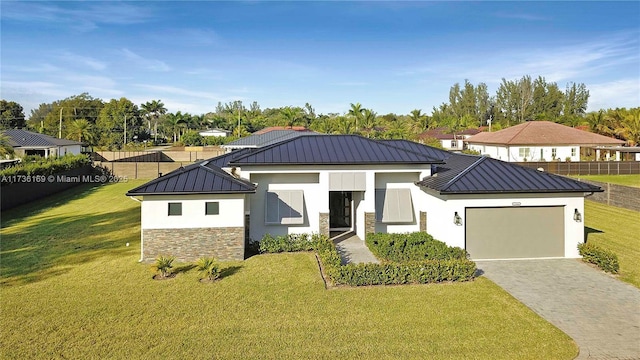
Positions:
{"x": 209, "y": 268}
{"x": 36, "y": 165}
{"x": 415, "y": 246}
{"x": 289, "y": 243}
{"x": 164, "y": 264}
{"x": 604, "y": 259}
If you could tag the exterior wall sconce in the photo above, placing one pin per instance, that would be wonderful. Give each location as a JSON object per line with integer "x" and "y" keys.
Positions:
{"x": 457, "y": 219}
{"x": 577, "y": 216}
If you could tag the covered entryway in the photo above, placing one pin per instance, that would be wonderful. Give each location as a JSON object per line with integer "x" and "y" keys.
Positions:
{"x": 515, "y": 232}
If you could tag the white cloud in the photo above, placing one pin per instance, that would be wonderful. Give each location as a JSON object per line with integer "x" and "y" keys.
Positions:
{"x": 620, "y": 93}
{"x": 82, "y": 60}
{"x": 149, "y": 64}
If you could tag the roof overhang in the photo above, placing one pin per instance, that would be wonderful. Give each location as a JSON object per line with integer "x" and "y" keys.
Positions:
{"x": 192, "y": 193}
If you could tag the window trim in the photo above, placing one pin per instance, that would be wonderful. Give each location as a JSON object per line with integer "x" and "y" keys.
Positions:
{"x": 169, "y": 205}
{"x": 217, "y": 208}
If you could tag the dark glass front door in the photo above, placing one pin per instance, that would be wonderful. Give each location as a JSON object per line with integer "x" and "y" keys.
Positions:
{"x": 340, "y": 210}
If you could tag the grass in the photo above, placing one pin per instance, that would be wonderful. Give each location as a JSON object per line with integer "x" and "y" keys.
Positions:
{"x": 616, "y": 229}
{"x": 626, "y": 180}
{"x": 72, "y": 289}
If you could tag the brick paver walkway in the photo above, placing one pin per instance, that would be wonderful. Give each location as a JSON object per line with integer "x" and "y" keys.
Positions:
{"x": 600, "y": 313}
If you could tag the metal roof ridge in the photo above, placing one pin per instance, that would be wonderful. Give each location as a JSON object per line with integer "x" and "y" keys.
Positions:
{"x": 463, "y": 173}
{"x": 384, "y": 142}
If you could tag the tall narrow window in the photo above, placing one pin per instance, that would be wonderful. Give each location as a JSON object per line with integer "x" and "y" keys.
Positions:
{"x": 212, "y": 208}
{"x": 175, "y": 209}
{"x": 554, "y": 153}
{"x": 573, "y": 152}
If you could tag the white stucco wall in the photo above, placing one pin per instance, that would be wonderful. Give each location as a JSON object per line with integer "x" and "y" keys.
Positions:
{"x": 441, "y": 209}
{"x": 536, "y": 153}
{"x": 155, "y": 211}
{"x": 314, "y": 181}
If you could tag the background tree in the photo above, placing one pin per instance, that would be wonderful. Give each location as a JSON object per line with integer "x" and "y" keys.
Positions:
{"x": 81, "y": 130}
{"x": 37, "y": 116}
{"x": 111, "y": 123}
{"x": 76, "y": 107}
{"x": 6, "y": 150}
{"x": 419, "y": 121}
{"x": 356, "y": 112}
{"x": 576, "y": 98}
{"x": 11, "y": 115}
{"x": 151, "y": 111}
{"x": 368, "y": 121}
{"x": 291, "y": 116}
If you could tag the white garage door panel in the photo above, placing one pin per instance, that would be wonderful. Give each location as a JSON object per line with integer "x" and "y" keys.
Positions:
{"x": 515, "y": 232}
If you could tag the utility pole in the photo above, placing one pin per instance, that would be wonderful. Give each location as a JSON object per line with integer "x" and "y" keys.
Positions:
{"x": 239, "y": 123}
{"x": 125, "y": 131}
{"x": 60, "y": 126}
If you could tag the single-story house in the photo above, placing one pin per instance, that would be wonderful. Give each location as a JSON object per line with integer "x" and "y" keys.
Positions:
{"x": 215, "y": 133}
{"x": 31, "y": 143}
{"x": 348, "y": 183}
{"x": 448, "y": 140}
{"x": 538, "y": 141}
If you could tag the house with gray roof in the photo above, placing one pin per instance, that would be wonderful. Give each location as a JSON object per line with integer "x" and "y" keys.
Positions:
{"x": 347, "y": 183}
{"x": 261, "y": 139}
{"x": 31, "y": 143}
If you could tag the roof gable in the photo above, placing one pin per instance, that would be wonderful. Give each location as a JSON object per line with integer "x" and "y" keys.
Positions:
{"x": 195, "y": 179}
{"x": 467, "y": 174}
{"x": 332, "y": 150}
{"x": 542, "y": 133}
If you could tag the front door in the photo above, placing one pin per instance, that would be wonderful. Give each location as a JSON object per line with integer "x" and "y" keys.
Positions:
{"x": 340, "y": 210}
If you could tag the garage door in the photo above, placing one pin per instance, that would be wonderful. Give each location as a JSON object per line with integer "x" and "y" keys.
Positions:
{"x": 515, "y": 232}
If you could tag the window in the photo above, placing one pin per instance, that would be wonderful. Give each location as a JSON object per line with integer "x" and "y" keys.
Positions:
{"x": 524, "y": 152}
{"x": 394, "y": 206}
{"x": 284, "y": 207}
{"x": 454, "y": 144}
{"x": 175, "y": 209}
{"x": 573, "y": 152}
{"x": 212, "y": 208}
{"x": 554, "y": 153}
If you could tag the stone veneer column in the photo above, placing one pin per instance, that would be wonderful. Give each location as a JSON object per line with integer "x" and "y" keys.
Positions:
{"x": 324, "y": 224}
{"x": 369, "y": 223}
{"x": 423, "y": 221}
{"x": 191, "y": 244}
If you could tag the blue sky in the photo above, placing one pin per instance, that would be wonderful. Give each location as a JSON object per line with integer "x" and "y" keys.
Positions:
{"x": 389, "y": 56}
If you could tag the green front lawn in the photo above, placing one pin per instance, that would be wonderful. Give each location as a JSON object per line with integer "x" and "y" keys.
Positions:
{"x": 626, "y": 180}
{"x": 71, "y": 288}
{"x": 616, "y": 229}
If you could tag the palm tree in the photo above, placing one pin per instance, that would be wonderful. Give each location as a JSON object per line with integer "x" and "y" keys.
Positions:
{"x": 345, "y": 125}
{"x": 356, "y": 112}
{"x": 291, "y": 115}
{"x": 419, "y": 121}
{"x": 82, "y": 130}
{"x": 174, "y": 123}
{"x": 153, "y": 110}
{"x": 368, "y": 120}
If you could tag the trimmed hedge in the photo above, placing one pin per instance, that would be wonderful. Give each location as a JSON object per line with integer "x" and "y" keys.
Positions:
{"x": 604, "y": 259}
{"x": 387, "y": 273}
{"x": 46, "y": 166}
{"x": 415, "y": 246}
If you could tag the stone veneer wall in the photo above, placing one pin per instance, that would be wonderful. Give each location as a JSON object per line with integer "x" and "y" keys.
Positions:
{"x": 191, "y": 244}
{"x": 423, "y": 221}
{"x": 324, "y": 224}
{"x": 369, "y": 223}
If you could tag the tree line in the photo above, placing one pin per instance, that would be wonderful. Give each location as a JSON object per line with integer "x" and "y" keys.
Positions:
{"x": 119, "y": 123}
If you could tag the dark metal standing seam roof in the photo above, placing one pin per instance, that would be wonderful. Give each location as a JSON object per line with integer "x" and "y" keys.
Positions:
{"x": 419, "y": 148}
{"x": 195, "y": 179}
{"x": 23, "y": 138}
{"x": 332, "y": 150}
{"x": 268, "y": 138}
{"x": 466, "y": 174}
{"x": 224, "y": 159}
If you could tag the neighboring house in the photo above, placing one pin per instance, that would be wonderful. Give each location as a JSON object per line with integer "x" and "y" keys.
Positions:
{"x": 261, "y": 139}
{"x": 30, "y": 143}
{"x": 538, "y": 141}
{"x": 214, "y": 132}
{"x": 449, "y": 141}
{"x": 341, "y": 183}
{"x": 272, "y": 128}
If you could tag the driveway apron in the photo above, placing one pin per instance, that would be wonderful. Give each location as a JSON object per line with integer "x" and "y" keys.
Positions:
{"x": 600, "y": 313}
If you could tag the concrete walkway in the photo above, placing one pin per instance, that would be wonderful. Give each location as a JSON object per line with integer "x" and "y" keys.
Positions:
{"x": 353, "y": 250}
{"x": 600, "y": 313}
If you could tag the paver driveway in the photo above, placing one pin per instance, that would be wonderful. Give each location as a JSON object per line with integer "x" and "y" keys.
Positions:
{"x": 600, "y": 313}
